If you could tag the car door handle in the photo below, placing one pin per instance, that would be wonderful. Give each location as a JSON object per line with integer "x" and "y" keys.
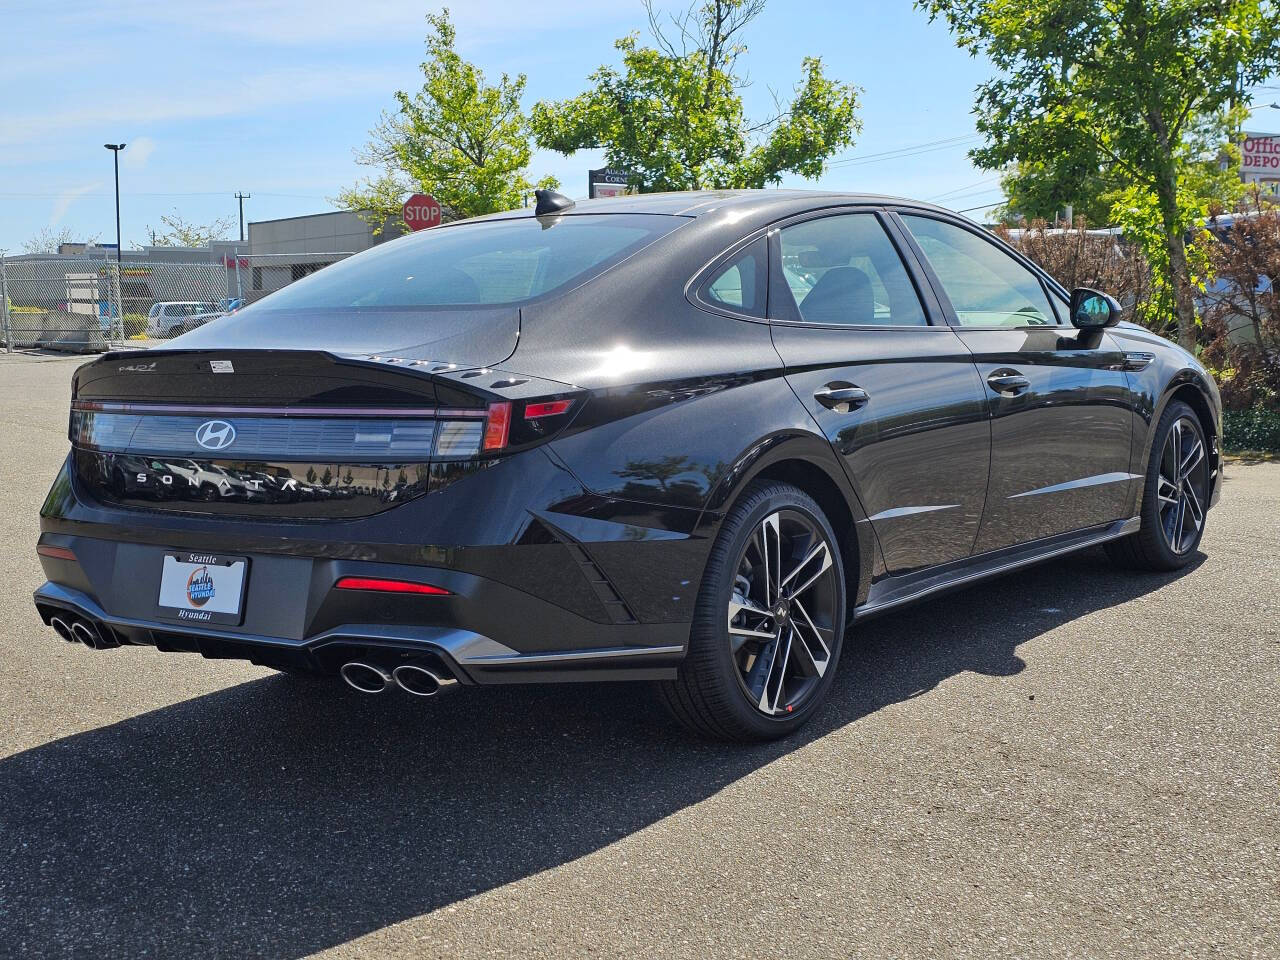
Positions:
{"x": 841, "y": 397}
{"x": 1008, "y": 381}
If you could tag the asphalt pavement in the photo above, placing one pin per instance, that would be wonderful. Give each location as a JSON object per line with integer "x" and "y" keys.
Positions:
{"x": 1067, "y": 761}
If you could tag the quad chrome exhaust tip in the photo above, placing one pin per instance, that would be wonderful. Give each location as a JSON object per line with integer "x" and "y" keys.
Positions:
{"x": 419, "y": 681}
{"x": 365, "y": 677}
{"x": 412, "y": 678}
{"x": 77, "y": 629}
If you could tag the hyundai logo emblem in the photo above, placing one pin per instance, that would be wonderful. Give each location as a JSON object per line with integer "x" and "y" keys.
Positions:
{"x": 215, "y": 434}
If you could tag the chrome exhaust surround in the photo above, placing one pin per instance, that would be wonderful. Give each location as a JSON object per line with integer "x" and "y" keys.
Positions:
{"x": 86, "y": 633}
{"x": 419, "y": 681}
{"x": 62, "y": 629}
{"x": 365, "y": 677}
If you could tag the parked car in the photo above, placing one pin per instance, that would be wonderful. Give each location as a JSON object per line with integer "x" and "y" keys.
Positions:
{"x": 170, "y": 318}
{"x": 683, "y": 438}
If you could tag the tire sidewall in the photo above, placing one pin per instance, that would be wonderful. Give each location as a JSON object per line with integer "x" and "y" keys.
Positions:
{"x": 1176, "y": 411}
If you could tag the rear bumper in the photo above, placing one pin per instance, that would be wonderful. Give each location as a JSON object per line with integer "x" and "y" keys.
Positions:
{"x": 466, "y": 655}
{"x": 545, "y": 582}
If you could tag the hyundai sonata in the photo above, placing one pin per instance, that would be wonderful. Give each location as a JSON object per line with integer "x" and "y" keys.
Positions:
{"x": 684, "y": 438}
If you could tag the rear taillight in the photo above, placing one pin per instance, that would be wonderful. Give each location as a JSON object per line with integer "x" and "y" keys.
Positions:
{"x": 288, "y": 433}
{"x": 552, "y": 408}
{"x": 515, "y": 424}
{"x": 497, "y": 429}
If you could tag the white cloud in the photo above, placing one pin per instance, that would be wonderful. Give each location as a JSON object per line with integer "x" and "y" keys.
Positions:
{"x": 68, "y": 197}
{"x": 207, "y": 96}
{"x": 137, "y": 153}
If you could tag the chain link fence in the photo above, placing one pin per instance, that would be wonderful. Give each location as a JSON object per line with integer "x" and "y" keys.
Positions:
{"x": 85, "y": 304}
{"x": 256, "y": 275}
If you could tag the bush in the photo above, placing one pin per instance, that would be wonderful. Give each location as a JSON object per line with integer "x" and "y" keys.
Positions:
{"x": 1076, "y": 257}
{"x": 135, "y": 324}
{"x": 1256, "y": 429}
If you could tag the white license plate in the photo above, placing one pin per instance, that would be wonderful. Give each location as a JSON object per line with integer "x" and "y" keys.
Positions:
{"x": 202, "y": 587}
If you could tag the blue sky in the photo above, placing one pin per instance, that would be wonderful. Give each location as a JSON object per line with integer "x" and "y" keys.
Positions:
{"x": 272, "y": 97}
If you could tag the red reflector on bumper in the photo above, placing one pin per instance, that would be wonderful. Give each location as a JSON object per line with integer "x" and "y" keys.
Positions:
{"x": 552, "y": 408}
{"x": 48, "y": 550}
{"x": 389, "y": 586}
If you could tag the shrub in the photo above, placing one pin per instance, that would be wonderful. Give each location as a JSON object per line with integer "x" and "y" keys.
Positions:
{"x": 1256, "y": 429}
{"x": 135, "y": 324}
{"x": 1077, "y": 257}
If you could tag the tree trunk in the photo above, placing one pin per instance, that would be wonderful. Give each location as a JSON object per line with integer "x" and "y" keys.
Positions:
{"x": 1183, "y": 291}
{"x": 1184, "y": 303}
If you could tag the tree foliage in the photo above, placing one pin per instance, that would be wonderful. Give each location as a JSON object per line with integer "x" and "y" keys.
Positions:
{"x": 1078, "y": 258}
{"x": 1152, "y": 85}
{"x": 49, "y": 239}
{"x": 459, "y": 138}
{"x": 177, "y": 231}
{"x": 672, "y": 114}
{"x": 1242, "y": 308}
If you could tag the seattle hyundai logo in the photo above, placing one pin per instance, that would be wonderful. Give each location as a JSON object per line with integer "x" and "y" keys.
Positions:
{"x": 215, "y": 434}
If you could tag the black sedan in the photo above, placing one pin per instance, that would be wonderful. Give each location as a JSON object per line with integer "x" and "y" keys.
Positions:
{"x": 685, "y": 438}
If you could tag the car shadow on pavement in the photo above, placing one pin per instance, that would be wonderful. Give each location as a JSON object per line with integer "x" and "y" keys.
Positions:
{"x": 279, "y": 817}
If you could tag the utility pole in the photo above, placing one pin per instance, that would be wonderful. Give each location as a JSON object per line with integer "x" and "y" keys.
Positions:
{"x": 115, "y": 149}
{"x": 242, "y": 197}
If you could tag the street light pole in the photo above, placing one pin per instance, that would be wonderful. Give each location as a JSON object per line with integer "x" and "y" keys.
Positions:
{"x": 115, "y": 149}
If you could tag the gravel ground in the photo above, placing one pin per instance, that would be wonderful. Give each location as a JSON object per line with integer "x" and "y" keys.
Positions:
{"x": 1067, "y": 761}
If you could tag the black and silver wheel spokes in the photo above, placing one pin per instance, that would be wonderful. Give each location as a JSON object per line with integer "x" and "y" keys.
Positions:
{"x": 1182, "y": 486}
{"x": 781, "y": 615}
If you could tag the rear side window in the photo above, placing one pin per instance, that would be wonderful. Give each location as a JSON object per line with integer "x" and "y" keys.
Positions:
{"x": 740, "y": 284}
{"x": 487, "y": 263}
{"x": 845, "y": 270}
{"x": 986, "y": 286}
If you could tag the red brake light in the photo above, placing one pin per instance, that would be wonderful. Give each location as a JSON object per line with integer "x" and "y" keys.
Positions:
{"x": 498, "y": 426}
{"x": 552, "y": 408}
{"x": 380, "y": 585}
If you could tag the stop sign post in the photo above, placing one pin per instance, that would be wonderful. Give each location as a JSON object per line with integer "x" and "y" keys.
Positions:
{"x": 421, "y": 211}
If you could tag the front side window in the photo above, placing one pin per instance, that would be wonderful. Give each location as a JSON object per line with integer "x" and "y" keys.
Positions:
{"x": 986, "y": 286}
{"x": 487, "y": 263}
{"x": 844, "y": 270}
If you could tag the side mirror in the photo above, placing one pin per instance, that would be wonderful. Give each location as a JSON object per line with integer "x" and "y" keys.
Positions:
{"x": 1093, "y": 309}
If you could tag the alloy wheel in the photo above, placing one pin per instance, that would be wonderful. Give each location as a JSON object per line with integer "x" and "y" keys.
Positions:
{"x": 782, "y": 612}
{"x": 1182, "y": 486}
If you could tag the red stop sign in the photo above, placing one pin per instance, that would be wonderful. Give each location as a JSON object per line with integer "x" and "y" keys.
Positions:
{"x": 421, "y": 211}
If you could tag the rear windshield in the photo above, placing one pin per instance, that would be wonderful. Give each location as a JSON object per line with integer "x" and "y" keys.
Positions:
{"x": 487, "y": 263}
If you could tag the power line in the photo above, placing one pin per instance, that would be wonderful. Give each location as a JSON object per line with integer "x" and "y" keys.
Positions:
{"x": 918, "y": 148}
{"x": 134, "y": 193}
{"x": 985, "y": 206}
{"x": 969, "y": 186}
{"x": 974, "y": 193}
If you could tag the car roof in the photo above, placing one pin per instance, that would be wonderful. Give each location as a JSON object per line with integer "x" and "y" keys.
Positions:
{"x": 698, "y": 203}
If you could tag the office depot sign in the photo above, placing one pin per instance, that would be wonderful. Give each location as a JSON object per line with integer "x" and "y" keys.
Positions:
{"x": 1260, "y": 154}
{"x": 421, "y": 211}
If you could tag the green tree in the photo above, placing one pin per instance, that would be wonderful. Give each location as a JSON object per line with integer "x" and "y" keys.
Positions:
{"x": 1154, "y": 85}
{"x": 177, "y": 231}
{"x": 1043, "y": 188}
{"x": 673, "y": 114}
{"x": 459, "y": 138}
{"x": 48, "y": 240}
